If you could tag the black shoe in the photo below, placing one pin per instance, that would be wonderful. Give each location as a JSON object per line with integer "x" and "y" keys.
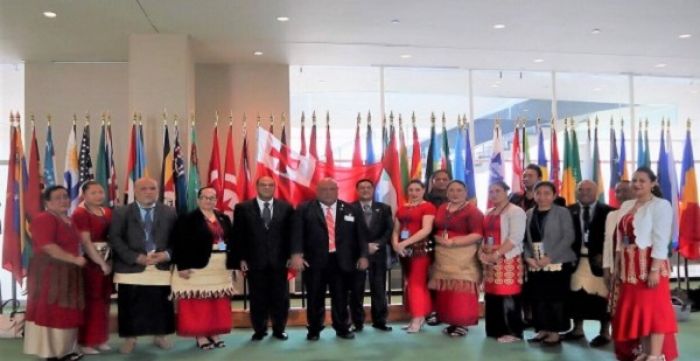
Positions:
{"x": 280, "y": 335}
{"x": 357, "y": 328}
{"x": 571, "y": 336}
{"x": 313, "y": 336}
{"x": 432, "y": 319}
{"x": 382, "y": 327}
{"x": 258, "y": 336}
{"x": 551, "y": 343}
{"x": 345, "y": 335}
{"x": 599, "y": 341}
{"x": 535, "y": 339}
{"x": 72, "y": 357}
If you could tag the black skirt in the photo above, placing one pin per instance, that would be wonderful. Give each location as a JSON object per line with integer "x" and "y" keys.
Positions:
{"x": 145, "y": 310}
{"x": 503, "y": 316}
{"x": 548, "y": 293}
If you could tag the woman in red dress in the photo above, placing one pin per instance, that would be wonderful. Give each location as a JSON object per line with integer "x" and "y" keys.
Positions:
{"x": 55, "y": 297}
{"x": 413, "y": 224}
{"x": 644, "y": 312}
{"x": 456, "y": 273}
{"x": 202, "y": 285}
{"x": 92, "y": 221}
{"x": 504, "y": 230}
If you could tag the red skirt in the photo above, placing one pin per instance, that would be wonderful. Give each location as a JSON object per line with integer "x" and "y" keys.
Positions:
{"x": 416, "y": 294}
{"x": 624, "y": 350}
{"x": 203, "y": 317}
{"x": 458, "y": 308}
{"x": 98, "y": 290}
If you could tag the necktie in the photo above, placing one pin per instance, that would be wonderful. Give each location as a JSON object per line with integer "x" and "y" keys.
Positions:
{"x": 148, "y": 230}
{"x": 330, "y": 225}
{"x": 367, "y": 211}
{"x": 266, "y": 214}
{"x": 586, "y": 218}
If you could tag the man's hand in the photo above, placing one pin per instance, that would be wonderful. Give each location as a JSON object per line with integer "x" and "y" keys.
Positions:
{"x": 142, "y": 259}
{"x": 298, "y": 263}
{"x": 184, "y": 274}
{"x": 157, "y": 257}
{"x": 373, "y": 247}
{"x": 244, "y": 266}
{"x": 544, "y": 261}
{"x": 362, "y": 264}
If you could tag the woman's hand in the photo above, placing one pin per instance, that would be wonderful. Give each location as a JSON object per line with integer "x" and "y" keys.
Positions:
{"x": 80, "y": 261}
{"x": 653, "y": 278}
{"x": 106, "y": 268}
{"x": 531, "y": 263}
{"x": 184, "y": 274}
{"x": 544, "y": 261}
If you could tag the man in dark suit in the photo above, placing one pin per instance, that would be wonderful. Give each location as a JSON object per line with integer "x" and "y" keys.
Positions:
{"x": 140, "y": 239}
{"x": 377, "y": 216}
{"x": 589, "y": 291}
{"x": 262, "y": 229}
{"x": 525, "y": 199}
{"x": 329, "y": 244}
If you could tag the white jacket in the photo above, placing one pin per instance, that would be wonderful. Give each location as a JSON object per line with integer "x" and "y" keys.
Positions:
{"x": 653, "y": 225}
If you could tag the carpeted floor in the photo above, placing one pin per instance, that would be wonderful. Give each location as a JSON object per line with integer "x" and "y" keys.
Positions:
{"x": 429, "y": 345}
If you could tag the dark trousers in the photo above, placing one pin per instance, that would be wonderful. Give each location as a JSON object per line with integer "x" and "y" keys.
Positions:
{"x": 144, "y": 310}
{"x": 377, "y": 288}
{"x": 339, "y": 283}
{"x": 269, "y": 298}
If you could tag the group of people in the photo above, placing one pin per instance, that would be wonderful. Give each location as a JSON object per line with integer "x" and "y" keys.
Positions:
{"x": 537, "y": 263}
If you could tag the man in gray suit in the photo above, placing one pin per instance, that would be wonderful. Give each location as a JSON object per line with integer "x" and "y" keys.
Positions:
{"x": 139, "y": 236}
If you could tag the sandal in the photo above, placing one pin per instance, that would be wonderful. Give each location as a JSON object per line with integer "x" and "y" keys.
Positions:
{"x": 72, "y": 357}
{"x": 217, "y": 343}
{"x": 508, "y": 339}
{"x": 204, "y": 346}
{"x": 458, "y": 331}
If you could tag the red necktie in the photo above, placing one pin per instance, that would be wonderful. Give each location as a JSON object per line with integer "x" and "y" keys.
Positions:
{"x": 330, "y": 225}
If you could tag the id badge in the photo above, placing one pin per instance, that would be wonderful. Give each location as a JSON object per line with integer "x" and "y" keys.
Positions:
{"x": 404, "y": 234}
{"x": 221, "y": 246}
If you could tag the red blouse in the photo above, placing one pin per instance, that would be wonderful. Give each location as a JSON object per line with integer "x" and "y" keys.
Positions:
{"x": 461, "y": 222}
{"x": 98, "y": 226}
{"x": 411, "y": 217}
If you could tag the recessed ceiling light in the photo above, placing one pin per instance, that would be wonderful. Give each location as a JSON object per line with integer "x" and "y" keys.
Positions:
{"x": 406, "y": 56}
{"x": 258, "y": 53}
{"x": 395, "y": 21}
{"x": 538, "y": 60}
{"x": 685, "y": 36}
{"x": 660, "y": 65}
{"x": 499, "y": 26}
{"x": 282, "y": 18}
{"x": 595, "y": 31}
{"x": 49, "y": 14}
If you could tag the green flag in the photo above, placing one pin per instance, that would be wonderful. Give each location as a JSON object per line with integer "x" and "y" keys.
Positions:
{"x": 445, "y": 161}
{"x": 403, "y": 157}
{"x": 102, "y": 166}
{"x": 526, "y": 146}
{"x": 193, "y": 175}
{"x": 575, "y": 159}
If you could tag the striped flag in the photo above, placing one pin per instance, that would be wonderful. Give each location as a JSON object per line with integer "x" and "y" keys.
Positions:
{"x": 167, "y": 176}
{"x": 526, "y": 145}
{"x": 517, "y": 162}
{"x": 568, "y": 181}
{"x": 622, "y": 165}
{"x": 667, "y": 180}
{"x": 14, "y": 236}
{"x": 647, "y": 157}
{"x": 541, "y": 152}
{"x": 101, "y": 167}
{"x": 131, "y": 166}
{"x": 390, "y": 179}
{"x": 369, "y": 143}
{"x": 357, "y": 151}
{"x": 141, "y": 161}
{"x": 430, "y": 158}
{"x": 576, "y": 159}
{"x": 49, "y": 159}
{"x": 416, "y": 165}
{"x": 586, "y": 156}
{"x": 597, "y": 171}
{"x": 445, "y": 163}
{"x": 70, "y": 174}
{"x": 193, "y": 182}
{"x": 244, "y": 187}
{"x": 231, "y": 197}
{"x": 214, "y": 177}
{"x": 673, "y": 190}
{"x": 554, "y": 175}
{"x": 640, "y": 146}
{"x": 689, "y": 234}
{"x": 180, "y": 179}
{"x": 403, "y": 158}
{"x": 459, "y": 152}
{"x": 32, "y": 197}
{"x": 615, "y": 175}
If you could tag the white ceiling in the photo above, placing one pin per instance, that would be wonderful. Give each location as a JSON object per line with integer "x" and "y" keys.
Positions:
{"x": 635, "y": 34}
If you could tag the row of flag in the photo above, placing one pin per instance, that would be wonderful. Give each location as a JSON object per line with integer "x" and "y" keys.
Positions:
{"x": 296, "y": 172}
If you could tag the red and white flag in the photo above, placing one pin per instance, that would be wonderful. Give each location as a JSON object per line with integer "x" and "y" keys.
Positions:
{"x": 215, "y": 180}
{"x": 517, "y": 180}
{"x": 230, "y": 184}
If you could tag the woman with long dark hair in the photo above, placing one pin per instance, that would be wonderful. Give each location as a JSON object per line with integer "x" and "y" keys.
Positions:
{"x": 643, "y": 312}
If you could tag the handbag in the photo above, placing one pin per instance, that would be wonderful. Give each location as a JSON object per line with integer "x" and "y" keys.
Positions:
{"x": 11, "y": 324}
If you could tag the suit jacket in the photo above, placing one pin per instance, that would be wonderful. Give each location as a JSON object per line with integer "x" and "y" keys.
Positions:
{"x": 380, "y": 228}
{"x": 192, "y": 239}
{"x": 596, "y": 235}
{"x": 261, "y": 247}
{"x": 127, "y": 238}
{"x": 310, "y": 235}
{"x": 558, "y": 237}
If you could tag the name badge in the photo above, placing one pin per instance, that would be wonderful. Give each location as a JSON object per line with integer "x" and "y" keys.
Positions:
{"x": 349, "y": 218}
{"x": 404, "y": 234}
{"x": 490, "y": 241}
{"x": 585, "y": 237}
